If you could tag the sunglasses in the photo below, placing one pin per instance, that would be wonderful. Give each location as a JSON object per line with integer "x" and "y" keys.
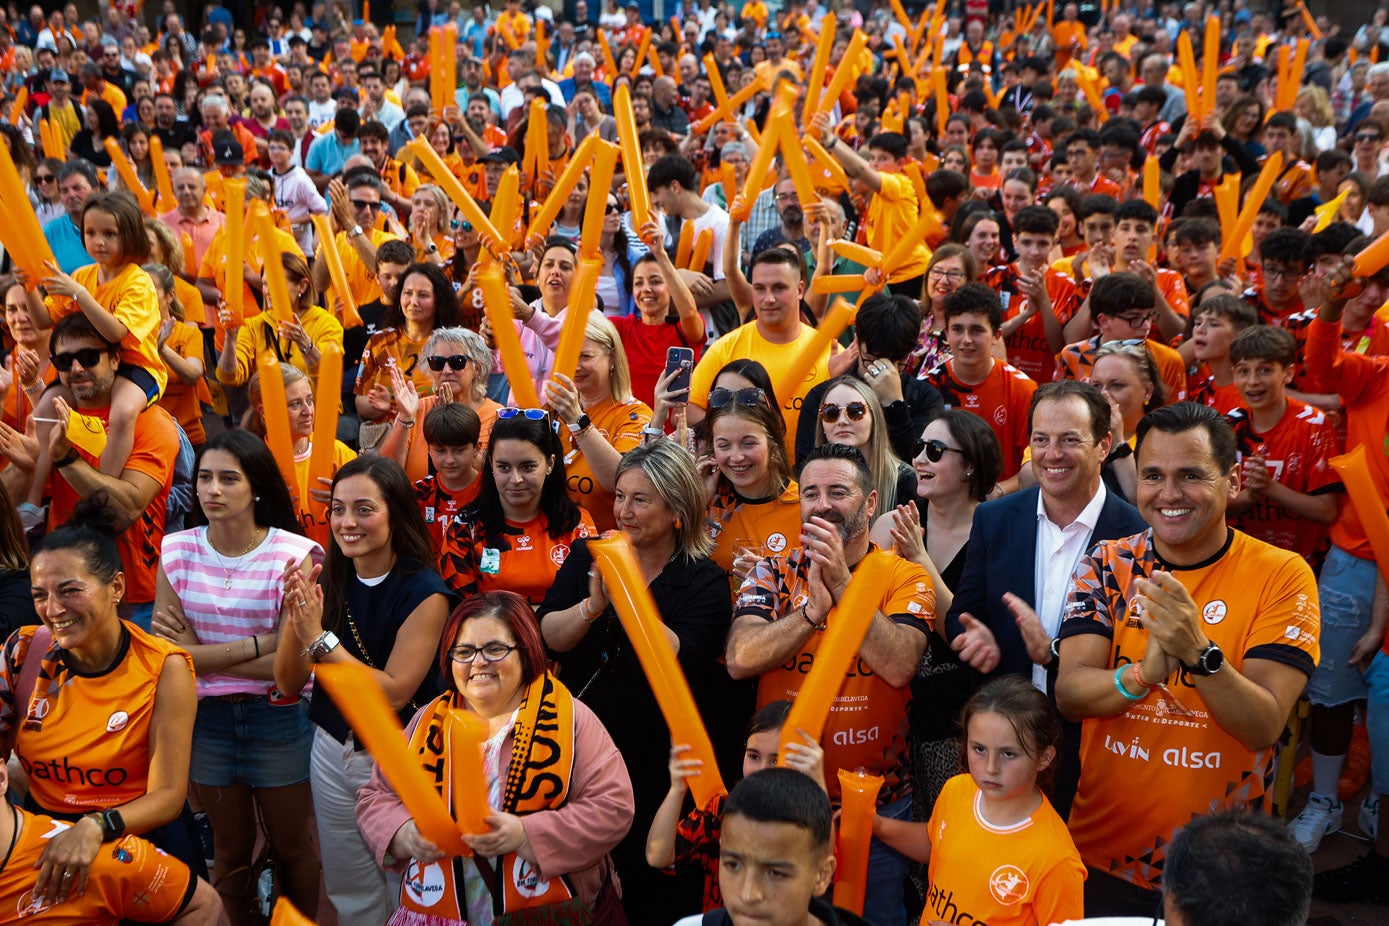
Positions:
{"x": 830, "y": 413}
{"x": 613, "y": 209}
{"x": 88, "y": 357}
{"x": 455, "y": 362}
{"x": 748, "y": 397}
{"x": 935, "y": 449}
{"x": 1367, "y": 137}
{"x": 365, "y": 204}
{"x": 44, "y": 178}
{"x": 530, "y": 414}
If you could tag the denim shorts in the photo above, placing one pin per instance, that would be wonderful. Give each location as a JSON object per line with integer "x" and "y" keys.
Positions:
{"x": 250, "y": 742}
{"x": 1346, "y": 589}
{"x": 1377, "y": 721}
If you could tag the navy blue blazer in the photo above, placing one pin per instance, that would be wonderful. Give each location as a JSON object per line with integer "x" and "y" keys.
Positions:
{"x": 1001, "y": 557}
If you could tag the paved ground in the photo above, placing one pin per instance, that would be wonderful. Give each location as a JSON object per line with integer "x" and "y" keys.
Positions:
{"x": 1336, "y": 850}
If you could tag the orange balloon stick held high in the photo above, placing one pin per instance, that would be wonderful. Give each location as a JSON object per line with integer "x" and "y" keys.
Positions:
{"x": 844, "y": 74}
{"x": 472, "y": 212}
{"x": 363, "y": 704}
{"x": 1372, "y": 259}
{"x": 275, "y": 411}
{"x": 337, "y": 274}
{"x": 633, "y": 167}
{"x": 568, "y": 179}
{"x": 860, "y": 796}
{"x": 327, "y": 399}
{"x": 126, "y": 170}
{"x": 595, "y": 210}
{"x": 1257, "y": 194}
{"x": 234, "y": 249}
{"x": 699, "y": 255}
{"x": 1152, "y": 181}
{"x": 581, "y": 302}
{"x": 506, "y": 205}
{"x": 725, "y": 109}
{"x": 277, "y": 285}
{"x": 828, "y": 25}
{"x": 627, "y": 588}
{"x": 711, "y": 67}
{"x": 162, "y": 181}
{"x": 1191, "y": 86}
{"x": 497, "y": 306}
{"x": 831, "y": 327}
{"x": 1210, "y": 63}
{"x": 685, "y": 244}
{"x": 467, "y": 735}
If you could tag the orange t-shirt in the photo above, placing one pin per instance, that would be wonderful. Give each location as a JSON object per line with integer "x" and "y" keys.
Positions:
{"x": 313, "y": 516}
{"x": 527, "y": 565}
{"x": 183, "y": 400}
{"x": 1202, "y": 389}
{"x": 774, "y": 524}
{"x": 1363, "y": 384}
{"x": 620, "y": 426}
{"x": 1148, "y": 770}
{"x": 1296, "y": 451}
{"x": 440, "y": 506}
{"x": 214, "y": 265}
{"x": 1016, "y": 875}
{"x": 1295, "y": 182}
{"x": 1077, "y": 360}
{"x": 892, "y": 213}
{"x": 1002, "y": 400}
{"x": 130, "y": 880}
{"x": 153, "y": 454}
{"x": 129, "y": 296}
{"x": 84, "y": 740}
{"x": 1027, "y": 346}
{"x": 867, "y": 725}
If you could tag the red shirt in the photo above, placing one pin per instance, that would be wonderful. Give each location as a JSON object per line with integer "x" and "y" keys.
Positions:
{"x": 1002, "y": 400}
{"x": 1027, "y": 346}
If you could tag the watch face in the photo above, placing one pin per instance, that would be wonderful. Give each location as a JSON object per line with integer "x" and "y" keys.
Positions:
{"x": 1212, "y": 659}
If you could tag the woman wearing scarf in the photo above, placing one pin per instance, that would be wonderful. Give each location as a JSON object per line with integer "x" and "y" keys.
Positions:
{"x": 557, "y": 786}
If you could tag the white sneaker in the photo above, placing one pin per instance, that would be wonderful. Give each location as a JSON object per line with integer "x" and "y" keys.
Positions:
{"x": 1320, "y": 818}
{"x": 1369, "y": 817}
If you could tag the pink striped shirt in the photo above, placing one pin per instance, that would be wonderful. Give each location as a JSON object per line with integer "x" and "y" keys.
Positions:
{"x": 251, "y": 606}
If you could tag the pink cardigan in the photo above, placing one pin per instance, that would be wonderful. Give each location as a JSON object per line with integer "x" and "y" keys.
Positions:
{"x": 573, "y": 841}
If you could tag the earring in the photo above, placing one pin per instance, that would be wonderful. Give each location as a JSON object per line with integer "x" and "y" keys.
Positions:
{"x": 257, "y": 498}
{"x": 968, "y": 476}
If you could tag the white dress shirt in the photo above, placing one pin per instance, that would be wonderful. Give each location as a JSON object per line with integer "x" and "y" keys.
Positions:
{"x": 1059, "y": 549}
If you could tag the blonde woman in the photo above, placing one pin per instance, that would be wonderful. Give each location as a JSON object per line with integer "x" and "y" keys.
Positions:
{"x": 602, "y": 420}
{"x": 851, "y": 414}
{"x": 1314, "y": 107}
{"x": 429, "y": 218}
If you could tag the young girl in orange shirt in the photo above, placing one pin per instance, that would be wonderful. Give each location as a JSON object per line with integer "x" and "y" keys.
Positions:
{"x": 998, "y": 852}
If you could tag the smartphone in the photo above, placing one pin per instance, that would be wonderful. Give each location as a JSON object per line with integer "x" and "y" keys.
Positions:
{"x": 679, "y": 359}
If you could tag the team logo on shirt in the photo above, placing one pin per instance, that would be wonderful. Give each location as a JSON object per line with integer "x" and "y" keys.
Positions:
{"x": 559, "y": 553}
{"x": 117, "y": 721}
{"x": 424, "y": 883}
{"x": 1001, "y": 415}
{"x": 1008, "y": 884}
{"x": 527, "y": 879}
{"x": 1214, "y": 612}
{"x": 30, "y": 905}
{"x": 776, "y": 542}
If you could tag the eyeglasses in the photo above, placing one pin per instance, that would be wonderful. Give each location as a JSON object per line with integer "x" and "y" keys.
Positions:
{"x": 830, "y": 412}
{"x": 935, "y": 449}
{"x": 455, "y": 362}
{"x": 748, "y": 397}
{"x": 365, "y": 204}
{"x": 1283, "y": 273}
{"x": 947, "y": 273}
{"x": 491, "y": 652}
{"x": 1134, "y": 321}
{"x": 530, "y": 414}
{"x": 88, "y": 357}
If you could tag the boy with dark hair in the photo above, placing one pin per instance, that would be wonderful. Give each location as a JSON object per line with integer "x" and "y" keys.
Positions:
{"x": 1295, "y": 179}
{"x": 1096, "y": 224}
{"x": 1082, "y": 147}
{"x": 1198, "y": 251}
{"x": 947, "y": 189}
{"x": 452, "y": 433}
{"x": 1284, "y": 446}
{"x": 1123, "y": 305}
{"x": 893, "y": 209}
{"x": 1213, "y": 154}
{"x": 1211, "y": 379}
{"x": 674, "y": 185}
{"x": 776, "y": 855}
{"x": 1037, "y": 300}
{"x": 1283, "y": 260}
{"x": 974, "y": 381}
{"x": 1147, "y": 109}
{"x": 886, "y": 331}
{"x": 1135, "y": 223}
{"x": 1332, "y": 166}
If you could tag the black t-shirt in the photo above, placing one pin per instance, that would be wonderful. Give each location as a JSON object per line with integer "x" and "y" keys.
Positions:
{"x": 354, "y": 339}
{"x": 181, "y": 133}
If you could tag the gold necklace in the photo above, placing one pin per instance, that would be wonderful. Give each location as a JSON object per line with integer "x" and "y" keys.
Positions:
{"x": 221, "y": 563}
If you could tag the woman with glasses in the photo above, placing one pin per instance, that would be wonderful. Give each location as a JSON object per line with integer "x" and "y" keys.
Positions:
{"x": 50, "y": 199}
{"x": 666, "y": 317}
{"x": 458, "y": 361}
{"x": 754, "y": 505}
{"x": 952, "y": 265}
{"x": 375, "y": 602}
{"x": 619, "y": 251}
{"x": 1128, "y": 376}
{"x": 851, "y": 414}
{"x": 659, "y": 508}
{"x": 300, "y": 405}
{"x": 219, "y": 595}
{"x": 425, "y": 301}
{"x": 1243, "y": 121}
{"x": 602, "y": 420}
{"x": 299, "y": 342}
{"x": 956, "y": 468}
{"x": 524, "y": 523}
{"x": 557, "y": 787}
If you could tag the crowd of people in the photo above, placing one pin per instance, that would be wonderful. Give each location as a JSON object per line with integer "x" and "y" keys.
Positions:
{"x": 1035, "y": 328}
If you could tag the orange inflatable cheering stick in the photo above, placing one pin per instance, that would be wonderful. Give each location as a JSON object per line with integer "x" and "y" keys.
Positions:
{"x": 631, "y": 598}
{"x": 860, "y": 796}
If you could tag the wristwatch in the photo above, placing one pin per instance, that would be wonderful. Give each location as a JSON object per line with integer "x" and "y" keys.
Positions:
{"x": 67, "y": 459}
{"x": 112, "y": 824}
{"x": 578, "y": 427}
{"x": 1208, "y": 663}
{"x": 355, "y": 231}
{"x": 1054, "y": 649}
{"x": 327, "y": 642}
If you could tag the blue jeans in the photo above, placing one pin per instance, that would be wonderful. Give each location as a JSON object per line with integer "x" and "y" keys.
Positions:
{"x": 1346, "y": 589}
{"x": 1377, "y": 722}
{"x": 884, "y": 899}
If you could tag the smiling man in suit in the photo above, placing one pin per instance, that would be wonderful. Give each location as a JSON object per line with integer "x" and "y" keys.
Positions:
{"x": 1023, "y": 548}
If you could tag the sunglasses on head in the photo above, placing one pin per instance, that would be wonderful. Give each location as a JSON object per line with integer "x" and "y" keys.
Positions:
{"x": 455, "y": 362}
{"x": 88, "y": 357}
{"x": 935, "y": 449}
{"x": 748, "y": 396}
{"x": 530, "y": 414}
{"x": 830, "y": 413}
